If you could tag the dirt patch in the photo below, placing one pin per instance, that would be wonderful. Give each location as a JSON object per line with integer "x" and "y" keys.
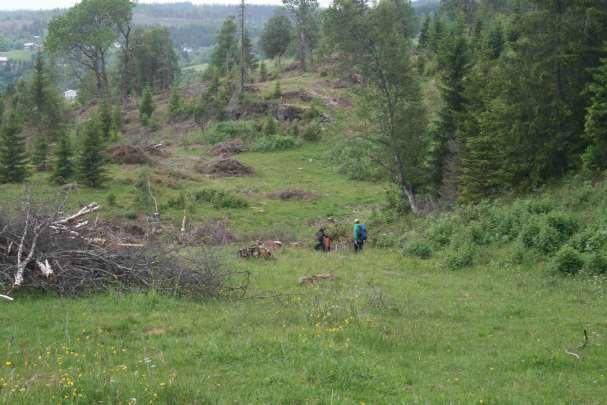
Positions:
{"x": 288, "y": 195}
{"x": 297, "y": 94}
{"x": 225, "y": 167}
{"x": 287, "y": 112}
{"x": 128, "y": 154}
{"x": 228, "y": 148}
{"x": 155, "y": 331}
{"x": 210, "y": 233}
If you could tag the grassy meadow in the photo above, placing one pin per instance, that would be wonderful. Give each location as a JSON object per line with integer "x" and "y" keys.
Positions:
{"x": 389, "y": 330}
{"x": 393, "y": 328}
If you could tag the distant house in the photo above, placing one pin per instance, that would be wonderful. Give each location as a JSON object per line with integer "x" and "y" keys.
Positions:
{"x": 29, "y": 46}
{"x": 3, "y": 60}
{"x": 70, "y": 95}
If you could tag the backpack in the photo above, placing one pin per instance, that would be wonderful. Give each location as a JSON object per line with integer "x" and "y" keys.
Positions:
{"x": 362, "y": 230}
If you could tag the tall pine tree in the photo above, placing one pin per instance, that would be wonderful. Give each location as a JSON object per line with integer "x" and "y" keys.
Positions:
{"x": 454, "y": 62}
{"x": 92, "y": 156}
{"x": 595, "y": 157}
{"x": 63, "y": 168}
{"x": 13, "y": 158}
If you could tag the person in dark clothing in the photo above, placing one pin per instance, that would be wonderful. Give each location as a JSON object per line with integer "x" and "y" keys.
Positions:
{"x": 319, "y": 239}
{"x": 322, "y": 241}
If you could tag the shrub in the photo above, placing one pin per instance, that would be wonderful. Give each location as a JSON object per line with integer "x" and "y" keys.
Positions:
{"x": 219, "y": 198}
{"x": 418, "y": 248}
{"x": 547, "y": 233}
{"x": 440, "y": 232}
{"x": 591, "y": 240}
{"x": 177, "y": 203}
{"x": 385, "y": 240}
{"x": 596, "y": 263}
{"x": 548, "y": 239}
{"x": 459, "y": 256}
{"x": 110, "y": 200}
{"x": 226, "y": 130}
{"x": 567, "y": 261}
{"x": 274, "y": 143}
{"x": 539, "y": 206}
{"x": 564, "y": 224}
{"x": 479, "y": 233}
{"x": 311, "y": 133}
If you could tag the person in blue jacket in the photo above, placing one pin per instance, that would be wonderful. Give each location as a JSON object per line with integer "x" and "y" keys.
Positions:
{"x": 360, "y": 235}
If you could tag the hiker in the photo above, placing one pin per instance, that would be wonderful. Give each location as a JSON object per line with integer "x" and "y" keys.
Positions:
{"x": 320, "y": 239}
{"x": 360, "y": 235}
{"x": 326, "y": 242}
{"x": 323, "y": 241}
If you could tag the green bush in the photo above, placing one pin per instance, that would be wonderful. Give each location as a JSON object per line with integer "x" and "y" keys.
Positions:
{"x": 311, "y": 133}
{"x": 567, "y": 261}
{"x": 564, "y": 224}
{"x": 274, "y": 143}
{"x": 596, "y": 263}
{"x": 539, "y": 206}
{"x": 591, "y": 240}
{"x": 227, "y": 130}
{"x": 110, "y": 200}
{"x": 219, "y": 198}
{"x": 440, "y": 232}
{"x": 176, "y": 203}
{"x": 459, "y": 256}
{"x": 418, "y": 248}
{"x": 479, "y": 233}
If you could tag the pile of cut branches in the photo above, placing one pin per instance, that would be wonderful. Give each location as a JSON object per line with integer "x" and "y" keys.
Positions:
{"x": 44, "y": 249}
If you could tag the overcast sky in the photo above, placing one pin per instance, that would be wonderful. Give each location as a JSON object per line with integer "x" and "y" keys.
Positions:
{"x": 50, "y": 4}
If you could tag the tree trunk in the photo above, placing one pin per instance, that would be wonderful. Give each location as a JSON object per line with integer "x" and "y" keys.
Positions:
{"x": 302, "y": 49}
{"x": 125, "y": 88}
{"x": 411, "y": 198}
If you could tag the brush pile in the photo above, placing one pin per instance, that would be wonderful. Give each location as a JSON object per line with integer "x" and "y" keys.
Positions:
{"x": 45, "y": 250}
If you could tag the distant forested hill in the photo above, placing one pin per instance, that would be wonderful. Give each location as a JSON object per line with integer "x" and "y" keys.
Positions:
{"x": 192, "y": 26}
{"x": 195, "y": 26}
{"x": 424, "y": 7}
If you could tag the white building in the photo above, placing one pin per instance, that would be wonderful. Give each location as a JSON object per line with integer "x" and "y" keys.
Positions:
{"x": 3, "y": 60}
{"x": 70, "y": 95}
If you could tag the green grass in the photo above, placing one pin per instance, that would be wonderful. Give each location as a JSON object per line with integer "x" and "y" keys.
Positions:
{"x": 197, "y": 68}
{"x": 19, "y": 55}
{"x": 390, "y": 330}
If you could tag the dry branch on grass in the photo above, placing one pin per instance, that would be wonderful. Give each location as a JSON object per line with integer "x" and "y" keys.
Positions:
{"x": 43, "y": 249}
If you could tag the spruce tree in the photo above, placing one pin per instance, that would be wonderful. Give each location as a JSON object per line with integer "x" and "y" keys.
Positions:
{"x": 250, "y": 57}
{"x": 595, "y": 157}
{"x": 225, "y": 54}
{"x": 495, "y": 45}
{"x": 146, "y": 108}
{"x": 40, "y": 152}
{"x": 454, "y": 61}
{"x": 63, "y": 169}
{"x": 117, "y": 119}
{"x": 92, "y": 157}
{"x": 424, "y": 35}
{"x": 174, "y": 104}
{"x": 436, "y": 37}
{"x": 105, "y": 120}
{"x": 277, "y": 92}
{"x": 263, "y": 73}
{"x": 13, "y": 158}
